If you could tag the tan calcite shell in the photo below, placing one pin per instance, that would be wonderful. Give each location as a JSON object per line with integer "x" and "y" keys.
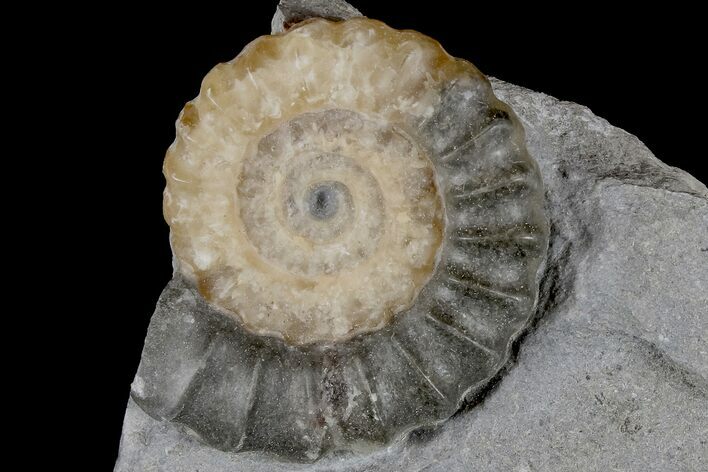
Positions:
{"x": 358, "y": 230}
{"x": 268, "y": 119}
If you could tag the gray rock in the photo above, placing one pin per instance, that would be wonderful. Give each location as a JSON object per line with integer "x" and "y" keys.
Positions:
{"x": 290, "y": 12}
{"x": 614, "y": 374}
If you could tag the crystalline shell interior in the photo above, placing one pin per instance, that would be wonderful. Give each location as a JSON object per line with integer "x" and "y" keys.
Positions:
{"x": 357, "y": 229}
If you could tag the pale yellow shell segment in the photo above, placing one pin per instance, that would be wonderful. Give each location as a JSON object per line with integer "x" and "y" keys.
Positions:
{"x": 328, "y": 104}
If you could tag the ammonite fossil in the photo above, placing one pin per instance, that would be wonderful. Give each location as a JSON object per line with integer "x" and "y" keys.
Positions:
{"x": 361, "y": 226}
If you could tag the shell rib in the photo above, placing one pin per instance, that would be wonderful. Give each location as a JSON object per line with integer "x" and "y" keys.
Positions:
{"x": 358, "y": 227}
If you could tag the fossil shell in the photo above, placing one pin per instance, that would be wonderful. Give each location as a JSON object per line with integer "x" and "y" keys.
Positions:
{"x": 362, "y": 228}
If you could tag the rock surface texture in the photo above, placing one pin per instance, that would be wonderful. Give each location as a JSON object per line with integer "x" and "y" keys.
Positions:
{"x": 613, "y": 377}
{"x": 613, "y": 374}
{"x": 290, "y": 12}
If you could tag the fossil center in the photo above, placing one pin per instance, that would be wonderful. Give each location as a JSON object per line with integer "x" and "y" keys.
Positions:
{"x": 333, "y": 228}
{"x": 323, "y": 200}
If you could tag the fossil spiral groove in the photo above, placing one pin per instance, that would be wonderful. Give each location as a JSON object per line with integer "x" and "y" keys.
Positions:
{"x": 363, "y": 228}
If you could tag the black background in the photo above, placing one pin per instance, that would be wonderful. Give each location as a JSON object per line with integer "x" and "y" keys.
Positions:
{"x": 639, "y": 71}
